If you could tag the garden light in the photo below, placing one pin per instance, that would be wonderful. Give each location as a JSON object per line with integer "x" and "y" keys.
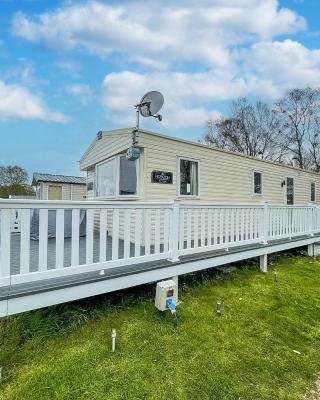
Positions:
{"x": 275, "y": 275}
{"x": 113, "y": 340}
{"x": 218, "y": 306}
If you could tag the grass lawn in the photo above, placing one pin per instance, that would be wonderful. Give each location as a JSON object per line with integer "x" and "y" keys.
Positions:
{"x": 265, "y": 345}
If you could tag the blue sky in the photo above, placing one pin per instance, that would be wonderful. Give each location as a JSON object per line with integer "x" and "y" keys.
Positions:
{"x": 71, "y": 68}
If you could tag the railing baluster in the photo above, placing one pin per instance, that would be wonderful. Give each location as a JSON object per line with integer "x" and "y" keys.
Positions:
{"x": 241, "y": 227}
{"x": 209, "y": 228}
{"x": 75, "y": 237}
{"x": 5, "y": 242}
{"x": 157, "y": 232}
{"x": 181, "y": 236}
{"x": 255, "y": 221}
{"x": 127, "y": 233}
{"x": 103, "y": 235}
{"x": 214, "y": 223}
{"x": 189, "y": 228}
{"x": 137, "y": 246}
{"x": 244, "y": 225}
{"x": 89, "y": 236}
{"x": 25, "y": 241}
{"x": 59, "y": 238}
{"x": 252, "y": 223}
{"x": 232, "y": 217}
{"x": 196, "y": 228}
{"x": 43, "y": 240}
{"x": 203, "y": 227}
{"x": 220, "y": 233}
{"x": 226, "y": 225}
{"x": 147, "y": 231}
{"x": 166, "y": 230}
{"x": 249, "y": 223}
{"x": 271, "y": 222}
{"x": 115, "y": 234}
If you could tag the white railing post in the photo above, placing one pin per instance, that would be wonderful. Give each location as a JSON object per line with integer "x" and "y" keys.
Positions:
{"x": 316, "y": 218}
{"x": 175, "y": 232}
{"x": 265, "y": 223}
{"x": 5, "y": 234}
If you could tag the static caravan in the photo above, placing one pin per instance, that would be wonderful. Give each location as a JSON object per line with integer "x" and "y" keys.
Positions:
{"x": 170, "y": 168}
{"x": 59, "y": 187}
{"x": 198, "y": 208}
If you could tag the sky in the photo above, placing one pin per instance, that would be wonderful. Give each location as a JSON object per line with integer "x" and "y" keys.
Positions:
{"x": 69, "y": 69}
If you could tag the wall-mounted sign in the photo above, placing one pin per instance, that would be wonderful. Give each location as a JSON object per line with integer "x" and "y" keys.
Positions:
{"x": 161, "y": 177}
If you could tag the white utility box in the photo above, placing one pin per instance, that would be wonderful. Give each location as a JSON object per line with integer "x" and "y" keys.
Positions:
{"x": 166, "y": 290}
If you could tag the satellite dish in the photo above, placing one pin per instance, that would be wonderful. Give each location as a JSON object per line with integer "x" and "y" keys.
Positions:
{"x": 151, "y": 104}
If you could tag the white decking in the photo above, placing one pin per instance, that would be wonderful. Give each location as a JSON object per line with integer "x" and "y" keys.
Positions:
{"x": 129, "y": 243}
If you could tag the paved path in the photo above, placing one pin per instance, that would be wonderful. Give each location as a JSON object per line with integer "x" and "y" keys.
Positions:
{"x": 313, "y": 394}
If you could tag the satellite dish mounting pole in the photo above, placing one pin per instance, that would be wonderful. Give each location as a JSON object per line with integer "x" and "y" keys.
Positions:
{"x": 135, "y": 131}
{"x": 149, "y": 106}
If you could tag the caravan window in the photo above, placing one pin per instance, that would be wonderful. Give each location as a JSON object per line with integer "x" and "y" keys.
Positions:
{"x": 117, "y": 177}
{"x": 257, "y": 182}
{"x": 189, "y": 177}
{"x": 105, "y": 179}
{"x": 289, "y": 190}
{"x": 128, "y": 177}
{"x": 312, "y": 192}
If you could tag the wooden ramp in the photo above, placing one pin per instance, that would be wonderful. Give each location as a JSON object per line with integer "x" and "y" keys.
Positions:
{"x": 172, "y": 239}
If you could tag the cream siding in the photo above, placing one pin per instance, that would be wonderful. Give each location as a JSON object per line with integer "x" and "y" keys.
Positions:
{"x": 224, "y": 177}
{"x": 78, "y": 192}
{"x": 106, "y": 147}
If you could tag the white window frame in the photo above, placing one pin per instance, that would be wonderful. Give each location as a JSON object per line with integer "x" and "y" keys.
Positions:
{"x": 252, "y": 180}
{"x": 96, "y": 179}
{"x": 315, "y": 192}
{"x": 285, "y": 189}
{"x": 187, "y": 196}
{"x": 117, "y": 195}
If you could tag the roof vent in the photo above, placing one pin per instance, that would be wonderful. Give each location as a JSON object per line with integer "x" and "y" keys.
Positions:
{"x": 99, "y": 135}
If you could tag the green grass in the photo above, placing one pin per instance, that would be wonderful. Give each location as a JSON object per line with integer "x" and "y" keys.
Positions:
{"x": 64, "y": 353}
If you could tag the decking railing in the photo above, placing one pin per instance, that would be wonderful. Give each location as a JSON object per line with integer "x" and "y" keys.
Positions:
{"x": 118, "y": 234}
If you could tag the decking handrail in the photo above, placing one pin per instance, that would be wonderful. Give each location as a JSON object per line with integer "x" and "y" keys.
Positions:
{"x": 69, "y": 204}
{"x": 121, "y": 233}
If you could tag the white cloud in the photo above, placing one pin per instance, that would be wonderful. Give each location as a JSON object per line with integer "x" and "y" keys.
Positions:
{"x": 81, "y": 91}
{"x": 17, "y": 102}
{"x": 161, "y": 31}
{"x": 284, "y": 65}
{"x": 232, "y": 46}
{"x": 266, "y": 70}
{"x": 72, "y": 68}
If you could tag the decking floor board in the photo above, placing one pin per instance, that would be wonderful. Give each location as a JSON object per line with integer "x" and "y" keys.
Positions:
{"x": 24, "y": 289}
{"x": 51, "y": 258}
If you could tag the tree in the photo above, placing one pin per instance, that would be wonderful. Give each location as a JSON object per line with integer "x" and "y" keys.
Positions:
{"x": 14, "y": 181}
{"x": 299, "y": 112}
{"x": 252, "y": 129}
